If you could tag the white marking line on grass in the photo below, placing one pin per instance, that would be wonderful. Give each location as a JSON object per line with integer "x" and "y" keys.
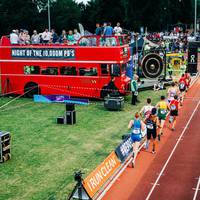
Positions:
{"x": 170, "y": 156}
{"x": 197, "y": 189}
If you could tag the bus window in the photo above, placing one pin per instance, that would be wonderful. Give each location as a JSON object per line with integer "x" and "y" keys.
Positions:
{"x": 124, "y": 67}
{"x": 31, "y": 70}
{"x": 115, "y": 70}
{"x": 50, "y": 71}
{"x": 104, "y": 69}
{"x": 68, "y": 71}
{"x": 88, "y": 72}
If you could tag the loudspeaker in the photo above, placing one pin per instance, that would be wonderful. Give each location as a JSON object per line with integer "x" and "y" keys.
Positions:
{"x": 152, "y": 66}
{"x": 70, "y": 117}
{"x": 70, "y": 107}
{"x": 60, "y": 120}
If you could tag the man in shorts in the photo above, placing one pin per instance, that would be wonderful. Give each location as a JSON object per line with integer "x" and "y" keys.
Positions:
{"x": 162, "y": 106}
{"x": 137, "y": 126}
{"x": 146, "y": 110}
{"x": 182, "y": 88}
{"x": 173, "y": 107}
{"x": 151, "y": 125}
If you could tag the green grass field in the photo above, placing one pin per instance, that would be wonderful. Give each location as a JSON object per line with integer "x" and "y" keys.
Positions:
{"x": 45, "y": 155}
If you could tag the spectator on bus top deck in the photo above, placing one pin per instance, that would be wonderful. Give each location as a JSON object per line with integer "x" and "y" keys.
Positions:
{"x": 63, "y": 37}
{"x": 98, "y": 30}
{"x": 27, "y": 37}
{"x": 35, "y": 38}
{"x": 108, "y": 29}
{"x": 22, "y": 36}
{"x": 46, "y": 36}
{"x": 54, "y": 36}
{"x": 77, "y": 35}
{"x": 14, "y": 38}
{"x": 118, "y": 29}
{"x": 70, "y": 38}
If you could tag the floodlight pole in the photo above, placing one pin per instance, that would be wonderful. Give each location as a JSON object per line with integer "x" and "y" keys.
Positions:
{"x": 49, "y": 16}
{"x": 195, "y": 17}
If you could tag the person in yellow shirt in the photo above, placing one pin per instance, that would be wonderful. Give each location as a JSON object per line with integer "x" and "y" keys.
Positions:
{"x": 163, "y": 108}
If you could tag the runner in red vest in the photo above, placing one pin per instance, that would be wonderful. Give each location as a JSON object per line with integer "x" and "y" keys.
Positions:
{"x": 188, "y": 80}
{"x": 182, "y": 88}
{"x": 173, "y": 107}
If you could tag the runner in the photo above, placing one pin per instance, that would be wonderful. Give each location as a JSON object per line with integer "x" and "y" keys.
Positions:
{"x": 173, "y": 107}
{"x": 188, "y": 80}
{"x": 182, "y": 88}
{"x": 162, "y": 106}
{"x": 151, "y": 124}
{"x": 172, "y": 91}
{"x": 146, "y": 110}
{"x": 136, "y": 126}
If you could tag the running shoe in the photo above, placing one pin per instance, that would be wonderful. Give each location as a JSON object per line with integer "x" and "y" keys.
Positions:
{"x": 133, "y": 164}
{"x": 153, "y": 152}
{"x": 158, "y": 137}
{"x": 173, "y": 129}
{"x": 147, "y": 146}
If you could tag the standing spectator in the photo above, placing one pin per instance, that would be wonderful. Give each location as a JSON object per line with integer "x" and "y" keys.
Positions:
{"x": 77, "y": 35}
{"x": 98, "y": 30}
{"x": 54, "y": 36}
{"x": 35, "y": 38}
{"x": 27, "y": 37}
{"x": 108, "y": 29}
{"x": 118, "y": 29}
{"x": 70, "y": 38}
{"x": 134, "y": 89}
{"x": 22, "y": 36}
{"x": 63, "y": 37}
{"x": 14, "y": 38}
{"x": 46, "y": 36}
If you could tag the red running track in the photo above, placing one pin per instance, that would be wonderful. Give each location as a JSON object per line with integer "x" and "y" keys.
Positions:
{"x": 165, "y": 177}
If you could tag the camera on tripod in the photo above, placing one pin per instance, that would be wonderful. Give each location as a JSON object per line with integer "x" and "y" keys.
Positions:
{"x": 78, "y": 176}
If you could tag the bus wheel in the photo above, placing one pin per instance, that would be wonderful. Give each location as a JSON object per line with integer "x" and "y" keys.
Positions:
{"x": 31, "y": 89}
{"x": 104, "y": 92}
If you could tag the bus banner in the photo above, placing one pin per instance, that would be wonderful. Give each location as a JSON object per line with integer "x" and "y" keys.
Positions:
{"x": 101, "y": 174}
{"x": 58, "y": 53}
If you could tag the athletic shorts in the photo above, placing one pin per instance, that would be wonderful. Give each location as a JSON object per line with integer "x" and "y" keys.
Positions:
{"x": 182, "y": 90}
{"x": 136, "y": 137}
{"x": 162, "y": 116}
{"x": 174, "y": 113}
{"x": 151, "y": 134}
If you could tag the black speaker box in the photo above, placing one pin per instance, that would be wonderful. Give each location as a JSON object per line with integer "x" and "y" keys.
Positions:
{"x": 60, "y": 120}
{"x": 70, "y": 107}
{"x": 70, "y": 117}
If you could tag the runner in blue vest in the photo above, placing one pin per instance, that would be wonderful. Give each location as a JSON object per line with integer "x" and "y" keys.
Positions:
{"x": 136, "y": 126}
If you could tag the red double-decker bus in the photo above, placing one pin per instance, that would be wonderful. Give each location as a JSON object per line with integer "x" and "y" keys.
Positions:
{"x": 82, "y": 70}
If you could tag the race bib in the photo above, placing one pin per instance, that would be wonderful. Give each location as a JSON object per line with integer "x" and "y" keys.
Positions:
{"x": 182, "y": 86}
{"x": 150, "y": 126}
{"x": 173, "y": 107}
{"x": 163, "y": 112}
{"x": 136, "y": 131}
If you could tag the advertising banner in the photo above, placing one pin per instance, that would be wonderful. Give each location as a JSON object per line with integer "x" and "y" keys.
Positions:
{"x": 101, "y": 174}
{"x": 124, "y": 149}
{"x": 40, "y": 53}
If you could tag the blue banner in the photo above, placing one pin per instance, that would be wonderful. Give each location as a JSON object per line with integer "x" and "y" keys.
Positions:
{"x": 59, "y": 99}
{"x": 124, "y": 149}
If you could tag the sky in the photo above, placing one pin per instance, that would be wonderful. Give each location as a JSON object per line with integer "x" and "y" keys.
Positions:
{"x": 84, "y": 1}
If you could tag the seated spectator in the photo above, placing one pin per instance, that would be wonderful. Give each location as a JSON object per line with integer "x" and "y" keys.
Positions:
{"x": 14, "y": 38}
{"x": 77, "y": 35}
{"x": 118, "y": 29}
{"x": 27, "y": 37}
{"x": 35, "y": 38}
{"x": 63, "y": 37}
{"x": 46, "y": 36}
{"x": 22, "y": 37}
{"x": 70, "y": 38}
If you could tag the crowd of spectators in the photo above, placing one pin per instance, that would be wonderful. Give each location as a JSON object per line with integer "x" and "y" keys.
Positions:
{"x": 46, "y": 37}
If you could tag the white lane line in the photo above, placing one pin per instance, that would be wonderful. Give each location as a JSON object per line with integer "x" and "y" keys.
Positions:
{"x": 196, "y": 189}
{"x": 170, "y": 156}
